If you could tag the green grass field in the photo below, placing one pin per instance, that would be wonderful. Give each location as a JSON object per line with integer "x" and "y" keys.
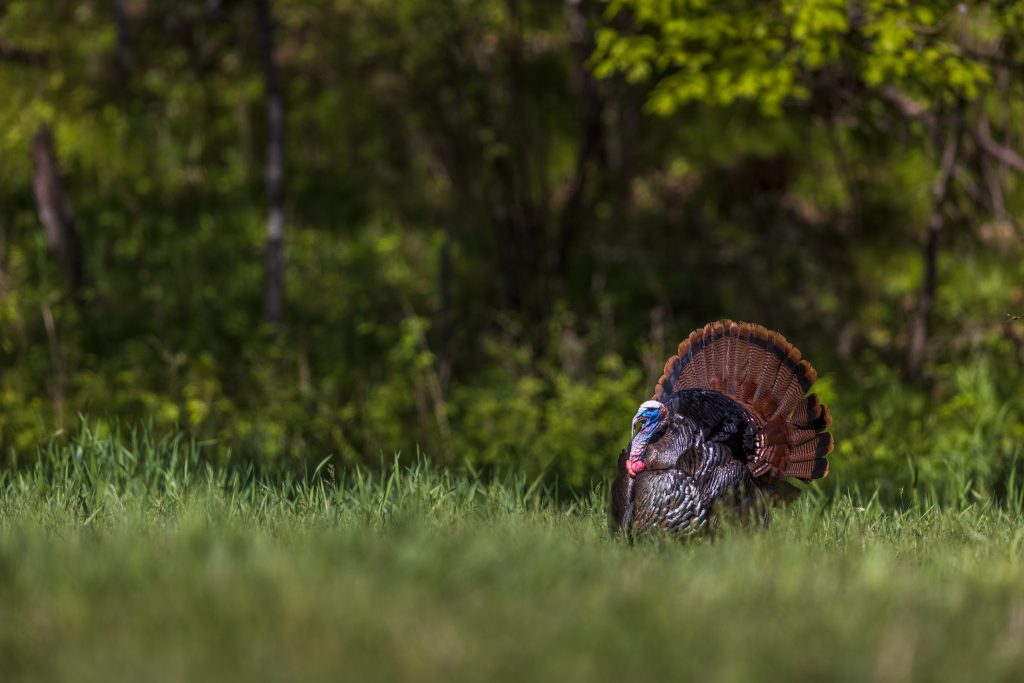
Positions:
{"x": 142, "y": 564}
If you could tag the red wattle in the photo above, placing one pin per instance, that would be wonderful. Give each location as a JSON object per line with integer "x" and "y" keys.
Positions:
{"x": 635, "y": 467}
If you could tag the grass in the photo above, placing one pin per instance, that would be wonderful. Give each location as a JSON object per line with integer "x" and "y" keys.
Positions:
{"x": 142, "y": 563}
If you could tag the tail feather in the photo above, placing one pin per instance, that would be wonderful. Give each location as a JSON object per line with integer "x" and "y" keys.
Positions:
{"x": 815, "y": 415}
{"x": 812, "y": 449}
{"x": 771, "y": 362}
{"x": 729, "y": 372}
{"x": 737, "y": 360}
{"x": 719, "y": 364}
{"x": 801, "y": 435}
{"x": 765, "y": 373}
{"x": 790, "y": 389}
{"x": 812, "y": 469}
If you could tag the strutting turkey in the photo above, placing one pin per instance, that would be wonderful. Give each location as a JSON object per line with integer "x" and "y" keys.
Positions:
{"x": 730, "y": 420}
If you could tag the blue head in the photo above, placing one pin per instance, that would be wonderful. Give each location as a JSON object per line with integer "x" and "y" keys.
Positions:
{"x": 648, "y": 421}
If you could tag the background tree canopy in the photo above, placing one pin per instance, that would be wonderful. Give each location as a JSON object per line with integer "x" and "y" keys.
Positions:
{"x": 500, "y": 216}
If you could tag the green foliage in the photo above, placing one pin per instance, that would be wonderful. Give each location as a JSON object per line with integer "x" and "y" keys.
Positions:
{"x": 551, "y": 422}
{"x": 583, "y": 240}
{"x": 774, "y": 53}
{"x": 966, "y": 444}
{"x": 723, "y": 52}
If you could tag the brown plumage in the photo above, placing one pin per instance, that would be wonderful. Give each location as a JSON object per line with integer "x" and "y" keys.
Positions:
{"x": 732, "y": 420}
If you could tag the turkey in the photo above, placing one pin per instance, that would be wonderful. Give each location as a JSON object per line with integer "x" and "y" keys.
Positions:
{"x": 729, "y": 421}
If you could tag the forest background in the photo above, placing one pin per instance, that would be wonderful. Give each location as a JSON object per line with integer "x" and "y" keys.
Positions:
{"x": 475, "y": 229}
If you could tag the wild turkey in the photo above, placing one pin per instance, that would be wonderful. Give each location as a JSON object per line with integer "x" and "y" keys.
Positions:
{"x": 729, "y": 421}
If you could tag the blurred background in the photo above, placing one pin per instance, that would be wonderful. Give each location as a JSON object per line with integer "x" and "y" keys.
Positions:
{"x": 475, "y": 229}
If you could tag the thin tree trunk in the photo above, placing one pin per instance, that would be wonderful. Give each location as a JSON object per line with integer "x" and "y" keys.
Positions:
{"x": 54, "y": 211}
{"x": 274, "y": 301}
{"x": 921, "y": 326}
{"x": 993, "y": 177}
{"x": 445, "y": 315}
{"x": 522, "y": 218}
{"x": 124, "y": 44}
{"x": 590, "y": 155}
{"x": 58, "y": 389}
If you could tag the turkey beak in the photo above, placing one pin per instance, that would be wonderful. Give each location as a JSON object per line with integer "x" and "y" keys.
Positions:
{"x": 638, "y": 424}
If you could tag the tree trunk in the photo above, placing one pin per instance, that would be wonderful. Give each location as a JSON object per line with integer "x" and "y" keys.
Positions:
{"x": 522, "y": 210}
{"x": 274, "y": 300}
{"x": 590, "y": 157}
{"x": 921, "y": 326}
{"x": 124, "y": 44}
{"x": 54, "y": 212}
{"x": 445, "y": 315}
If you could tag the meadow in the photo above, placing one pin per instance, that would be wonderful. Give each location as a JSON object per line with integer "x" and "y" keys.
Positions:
{"x": 295, "y": 238}
{"x": 147, "y": 562}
